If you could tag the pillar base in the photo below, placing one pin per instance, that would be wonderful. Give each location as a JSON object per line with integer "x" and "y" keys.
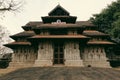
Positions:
{"x": 76, "y": 63}
{"x": 20, "y": 64}
{"x": 102, "y": 64}
{"x": 43, "y": 63}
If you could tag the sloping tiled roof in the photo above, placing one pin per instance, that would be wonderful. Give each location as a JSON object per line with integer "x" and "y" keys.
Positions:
{"x": 85, "y": 23}
{"x": 80, "y": 23}
{"x": 58, "y": 26}
{"x": 94, "y": 33}
{"x": 33, "y": 23}
{"x": 17, "y": 43}
{"x": 25, "y": 33}
{"x": 58, "y": 16}
{"x": 59, "y": 36}
{"x": 101, "y": 42}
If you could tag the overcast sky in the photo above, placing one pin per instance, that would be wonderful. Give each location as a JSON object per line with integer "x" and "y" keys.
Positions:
{"x": 34, "y": 9}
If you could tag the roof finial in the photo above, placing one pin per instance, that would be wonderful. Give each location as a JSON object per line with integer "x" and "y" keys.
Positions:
{"x": 58, "y": 3}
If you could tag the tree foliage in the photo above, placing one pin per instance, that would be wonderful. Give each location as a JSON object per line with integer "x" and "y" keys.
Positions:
{"x": 4, "y": 38}
{"x": 10, "y": 5}
{"x": 7, "y": 5}
{"x": 108, "y": 20}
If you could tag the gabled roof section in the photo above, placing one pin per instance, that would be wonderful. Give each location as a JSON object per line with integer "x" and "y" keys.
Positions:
{"x": 58, "y": 11}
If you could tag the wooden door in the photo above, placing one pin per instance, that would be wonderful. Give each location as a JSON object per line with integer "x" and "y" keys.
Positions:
{"x": 58, "y": 53}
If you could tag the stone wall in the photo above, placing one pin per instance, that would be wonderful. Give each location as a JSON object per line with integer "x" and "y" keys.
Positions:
{"x": 23, "y": 57}
{"x": 94, "y": 56}
{"x": 45, "y": 54}
{"x": 72, "y": 54}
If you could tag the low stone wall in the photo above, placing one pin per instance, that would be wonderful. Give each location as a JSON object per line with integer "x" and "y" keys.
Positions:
{"x": 93, "y": 56}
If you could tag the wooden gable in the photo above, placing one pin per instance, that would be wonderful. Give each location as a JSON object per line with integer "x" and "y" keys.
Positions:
{"x": 58, "y": 11}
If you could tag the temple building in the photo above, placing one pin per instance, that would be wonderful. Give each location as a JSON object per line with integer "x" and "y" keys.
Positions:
{"x": 60, "y": 40}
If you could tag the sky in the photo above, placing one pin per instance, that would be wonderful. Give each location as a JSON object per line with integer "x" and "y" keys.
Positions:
{"x": 32, "y": 10}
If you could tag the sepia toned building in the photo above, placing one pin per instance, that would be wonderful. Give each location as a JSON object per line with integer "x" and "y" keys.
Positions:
{"x": 60, "y": 40}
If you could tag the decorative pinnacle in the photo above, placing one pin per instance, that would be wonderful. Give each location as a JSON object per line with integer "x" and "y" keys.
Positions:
{"x": 58, "y": 3}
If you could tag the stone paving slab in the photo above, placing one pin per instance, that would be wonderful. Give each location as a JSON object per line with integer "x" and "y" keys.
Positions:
{"x": 63, "y": 73}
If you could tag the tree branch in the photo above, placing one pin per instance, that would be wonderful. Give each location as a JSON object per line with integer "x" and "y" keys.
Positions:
{"x": 10, "y": 5}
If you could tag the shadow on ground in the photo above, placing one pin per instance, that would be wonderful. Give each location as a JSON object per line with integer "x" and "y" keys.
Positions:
{"x": 62, "y": 73}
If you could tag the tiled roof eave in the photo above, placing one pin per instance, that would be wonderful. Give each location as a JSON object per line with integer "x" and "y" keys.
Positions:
{"x": 100, "y": 43}
{"x": 94, "y": 33}
{"x": 97, "y": 35}
{"x": 23, "y": 34}
{"x": 59, "y": 36}
{"x": 18, "y": 44}
{"x": 63, "y": 16}
{"x": 58, "y": 26}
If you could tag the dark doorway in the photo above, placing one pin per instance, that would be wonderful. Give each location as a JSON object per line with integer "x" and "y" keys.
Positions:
{"x": 58, "y": 53}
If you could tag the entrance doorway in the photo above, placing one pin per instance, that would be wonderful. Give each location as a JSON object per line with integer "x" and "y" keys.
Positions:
{"x": 58, "y": 53}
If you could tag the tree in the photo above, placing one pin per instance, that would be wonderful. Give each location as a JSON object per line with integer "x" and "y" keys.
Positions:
{"x": 4, "y": 51}
{"x": 4, "y": 38}
{"x": 7, "y": 5}
{"x": 10, "y": 5}
{"x": 108, "y": 20}
{"x": 115, "y": 32}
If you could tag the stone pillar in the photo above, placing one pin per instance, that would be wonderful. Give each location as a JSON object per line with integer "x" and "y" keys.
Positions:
{"x": 15, "y": 59}
{"x": 72, "y": 54}
{"x": 95, "y": 57}
{"x": 45, "y": 54}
